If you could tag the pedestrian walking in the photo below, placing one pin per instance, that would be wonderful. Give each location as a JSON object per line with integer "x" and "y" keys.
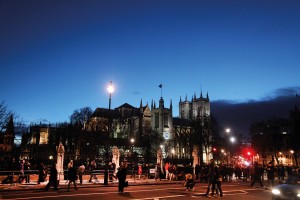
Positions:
{"x": 93, "y": 167}
{"x": 210, "y": 176}
{"x": 121, "y": 175}
{"x": 167, "y": 170}
{"x": 140, "y": 171}
{"x": 21, "y": 176}
{"x": 133, "y": 171}
{"x": 42, "y": 173}
{"x": 281, "y": 172}
{"x": 52, "y": 178}
{"x": 171, "y": 172}
{"x": 217, "y": 181}
{"x": 81, "y": 172}
{"x": 72, "y": 175}
{"x": 157, "y": 172}
{"x": 26, "y": 171}
{"x": 112, "y": 168}
{"x": 270, "y": 173}
{"x": 147, "y": 171}
{"x": 256, "y": 176}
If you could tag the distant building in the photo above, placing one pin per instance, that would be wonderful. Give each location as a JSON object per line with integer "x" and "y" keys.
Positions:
{"x": 126, "y": 122}
{"x": 7, "y": 142}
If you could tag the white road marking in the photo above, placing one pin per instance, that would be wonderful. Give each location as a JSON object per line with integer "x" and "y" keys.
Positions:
{"x": 162, "y": 197}
{"x": 235, "y": 192}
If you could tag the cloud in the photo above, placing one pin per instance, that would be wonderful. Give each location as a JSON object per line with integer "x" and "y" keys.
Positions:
{"x": 240, "y": 115}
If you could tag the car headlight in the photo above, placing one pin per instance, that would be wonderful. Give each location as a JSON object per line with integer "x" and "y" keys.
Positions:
{"x": 298, "y": 195}
{"x": 276, "y": 191}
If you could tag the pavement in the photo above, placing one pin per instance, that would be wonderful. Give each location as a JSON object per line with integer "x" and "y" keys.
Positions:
{"x": 63, "y": 184}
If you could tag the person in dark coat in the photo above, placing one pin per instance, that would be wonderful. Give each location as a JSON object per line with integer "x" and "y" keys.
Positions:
{"x": 81, "y": 172}
{"x": 21, "y": 177}
{"x": 210, "y": 176}
{"x": 257, "y": 175}
{"x": 217, "y": 181}
{"x": 42, "y": 173}
{"x": 189, "y": 182}
{"x": 26, "y": 170}
{"x": 270, "y": 173}
{"x": 72, "y": 175}
{"x": 121, "y": 175}
{"x": 52, "y": 178}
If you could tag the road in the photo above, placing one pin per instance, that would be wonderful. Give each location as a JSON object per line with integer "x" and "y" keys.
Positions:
{"x": 141, "y": 192}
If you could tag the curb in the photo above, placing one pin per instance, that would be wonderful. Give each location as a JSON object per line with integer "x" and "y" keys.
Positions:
{"x": 25, "y": 187}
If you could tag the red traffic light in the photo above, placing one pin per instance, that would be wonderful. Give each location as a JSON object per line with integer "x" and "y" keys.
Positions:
{"x": 248, "y": 152}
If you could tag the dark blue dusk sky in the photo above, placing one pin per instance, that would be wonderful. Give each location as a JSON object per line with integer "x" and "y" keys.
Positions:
{"x": 59, "y": 55}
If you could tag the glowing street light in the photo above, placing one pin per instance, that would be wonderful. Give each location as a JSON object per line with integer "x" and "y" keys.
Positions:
{"x": 110, "y": 88}
{"x": 227, "y": 130}
{"x": 232, "y": 139}
{"x": 132, "y": 140}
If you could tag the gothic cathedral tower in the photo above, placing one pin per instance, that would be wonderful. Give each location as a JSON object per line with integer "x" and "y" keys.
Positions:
{"x": 196, "y": 108}
{"x": 162, "y": 119}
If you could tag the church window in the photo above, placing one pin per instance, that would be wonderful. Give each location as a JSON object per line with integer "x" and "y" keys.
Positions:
{"x": 156, "y": 120}
{"x": 166, "y": 120}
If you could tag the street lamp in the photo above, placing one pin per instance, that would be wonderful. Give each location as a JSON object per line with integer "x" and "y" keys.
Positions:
{"x": 110, "y": 90}
{"x": 173, "y": 152}
{"x": 232, "y": 140}
{"x": 132, "y": 143}
{"x": 132, "y": 160}
{"x": 292, "y": 155}
{"x": 227, "y": 130}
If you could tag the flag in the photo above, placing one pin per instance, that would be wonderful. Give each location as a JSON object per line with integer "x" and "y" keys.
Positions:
{"x": 160, "y": 86}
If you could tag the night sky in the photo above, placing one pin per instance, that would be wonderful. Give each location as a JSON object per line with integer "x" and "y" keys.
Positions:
{"x": 59, "y": 55}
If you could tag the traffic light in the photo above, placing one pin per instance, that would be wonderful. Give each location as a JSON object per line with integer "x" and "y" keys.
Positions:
{"x": 214, "y": 149}
{"x": 248, "y": 152}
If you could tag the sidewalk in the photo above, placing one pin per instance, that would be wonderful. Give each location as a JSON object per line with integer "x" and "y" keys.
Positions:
{"x": 86, "y": 184}
{"x": 63, "y": 184}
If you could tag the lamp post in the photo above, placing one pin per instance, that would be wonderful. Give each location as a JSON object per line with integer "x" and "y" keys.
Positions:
{"x": 132, "y": 160}
{"x": 232, "y": 140}
{"x": 110, "y": 90}
{"x": 132, "y": 143}
{"x": 292, "y": 155}
{"x": 173, "y": 153}
{"x": 227, "y": 130}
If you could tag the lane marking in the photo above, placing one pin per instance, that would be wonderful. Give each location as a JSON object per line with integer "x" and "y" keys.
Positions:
{"x": 128, "y": 191}
{"x": 157, "y": 198}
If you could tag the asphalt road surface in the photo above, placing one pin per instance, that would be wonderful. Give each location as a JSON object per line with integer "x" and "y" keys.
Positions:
{"x": 142, "y": 192}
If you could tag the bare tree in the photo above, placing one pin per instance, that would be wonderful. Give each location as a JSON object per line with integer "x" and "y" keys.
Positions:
{"x": 81, "y": 116}
{"x": 4, "y": 116}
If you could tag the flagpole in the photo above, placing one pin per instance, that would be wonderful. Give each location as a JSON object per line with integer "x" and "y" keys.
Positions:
{"x": 160, "y": 90}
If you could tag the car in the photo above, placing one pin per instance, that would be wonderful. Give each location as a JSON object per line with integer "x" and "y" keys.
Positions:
{"x": 290, "y": 189}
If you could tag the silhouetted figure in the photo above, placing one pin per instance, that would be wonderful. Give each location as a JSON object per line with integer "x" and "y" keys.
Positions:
{"x": 72, "y": 175}
{"x": 121, "y": 175}
{"x": 42, "y": 173}
{"x": 52, "y": 178}
{"x": 257, "y": 175}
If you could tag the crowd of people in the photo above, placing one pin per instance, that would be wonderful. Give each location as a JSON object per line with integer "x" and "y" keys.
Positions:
{"x": 213, "y": 174}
